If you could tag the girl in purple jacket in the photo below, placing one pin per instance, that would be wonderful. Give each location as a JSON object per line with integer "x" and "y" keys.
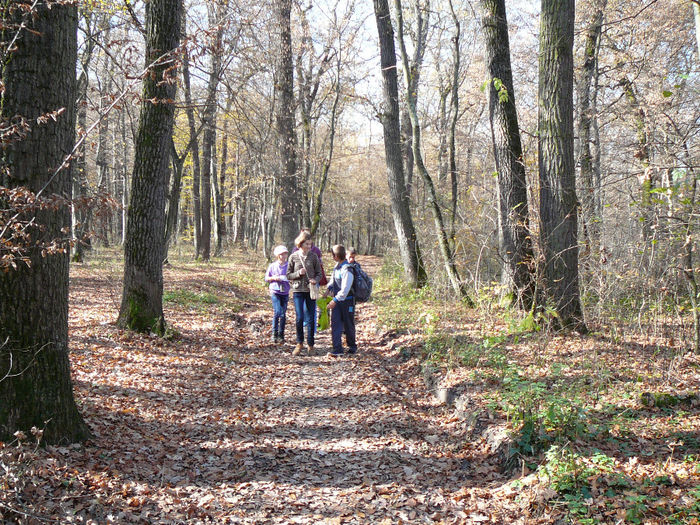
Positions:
{"x": 279, "y": 292}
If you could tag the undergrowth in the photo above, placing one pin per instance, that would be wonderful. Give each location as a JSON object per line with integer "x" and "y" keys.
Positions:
{"x": 572, "y": 413}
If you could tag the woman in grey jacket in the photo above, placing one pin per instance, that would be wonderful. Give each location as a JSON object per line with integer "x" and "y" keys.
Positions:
{"x": 304, "y": 269}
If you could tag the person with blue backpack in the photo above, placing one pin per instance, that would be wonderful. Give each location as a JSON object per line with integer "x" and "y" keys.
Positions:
{"x": 362, "y": 284}
{"x": 342, "y": 307}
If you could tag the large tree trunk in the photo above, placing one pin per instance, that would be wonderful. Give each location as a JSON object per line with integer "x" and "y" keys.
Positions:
{"x": 39, "y": 78}
{"x": 142, "y": 299}
{"x": 558, "y": 203}
{"x": 284, "y": 118}
{"x": 513, "y": 218}
{"x": 589, "y": 183}
{"x": 400, "y": 203}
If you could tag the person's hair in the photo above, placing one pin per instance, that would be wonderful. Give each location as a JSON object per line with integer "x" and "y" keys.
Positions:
{"x": 301, "y": 239}
{"x": 352, "y": 250}
{"x": 339, "y": 251}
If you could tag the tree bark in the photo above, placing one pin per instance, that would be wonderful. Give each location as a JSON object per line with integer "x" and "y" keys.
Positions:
{"x": 142, "y": 298}
{"x": 400, "y": 202}
{"x": 223, "y": 175}
{"x": 643, "y": 154}
{"x": 696, "y": 15}
{"x": 558, "y": 203}
{"x": 407, "y": 150}
{"x": 196, "y": 168}
{"x": 178, "y": 166}
{"x": 81, "y": 212}
{"x": 586, "y": 100}
{"x": 104, "y": 151}
{"x": 513, "y": 215}
{"x": 454, "y": 116}
{"x": 209, "y": 121}
{"x": 284, "y": 120}
{"x": 39, "y": 78}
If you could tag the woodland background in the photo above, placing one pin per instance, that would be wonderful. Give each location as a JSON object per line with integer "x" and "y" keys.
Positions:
{"x": 645, "y": 124}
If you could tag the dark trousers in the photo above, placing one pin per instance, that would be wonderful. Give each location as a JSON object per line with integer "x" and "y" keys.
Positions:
{"x": 343, "y": 320}
{"x": 279, "y": 316}
{"x": 305, "y": 308}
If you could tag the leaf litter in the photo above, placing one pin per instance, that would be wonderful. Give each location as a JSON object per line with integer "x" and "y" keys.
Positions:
{"x": 218, "y": 425}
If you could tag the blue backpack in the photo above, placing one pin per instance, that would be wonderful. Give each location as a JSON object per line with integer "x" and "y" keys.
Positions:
{"x": 361, "y": 284}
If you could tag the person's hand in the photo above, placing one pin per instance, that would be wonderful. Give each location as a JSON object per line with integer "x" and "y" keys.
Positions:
{"x": 312, "y": 281}
{"x": 331, "y": 305}
{"x": 302, "y": 271}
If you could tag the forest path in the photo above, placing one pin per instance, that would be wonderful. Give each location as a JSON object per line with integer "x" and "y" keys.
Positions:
{"x": 220, "y": 426}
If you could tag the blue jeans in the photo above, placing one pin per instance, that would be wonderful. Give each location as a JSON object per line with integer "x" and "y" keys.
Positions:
{"x": 279, "y": 317}
{"x": 343, "y": 320}
{"x": 305, "y": 308}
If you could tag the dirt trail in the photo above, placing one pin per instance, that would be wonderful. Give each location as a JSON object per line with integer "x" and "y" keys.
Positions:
{"x": 220, "y": 426}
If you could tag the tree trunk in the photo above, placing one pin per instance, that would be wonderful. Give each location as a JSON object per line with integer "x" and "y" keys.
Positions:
{"x": 284, "y": 118}
{"x": 196, "y": 168}
{"x": 643, "y": 154}
{"x": 454, "y": 115}
{"x": 407, "y": 150}
{"x": 223, "y": 169}
{"x": 325, "y": 168}
{"x": 513, "y": 216}
{"x": 81, "y": 211}
{"x": 412, "y": 75}
{"x": 558, "y": 203}
{"x": 142, "y": 299}
{"x": 442, "y": 125}
{"x": 104, "y": 151}
{"x": 400, "y": 202}
{"x": 586, "y": 101}
{"x": 38, "y": 78}
{"x": 178, "y": 166}
{"x": 696, "y": 14}
{"x": 125, "y": 178}
{"x": 209, "y": 121}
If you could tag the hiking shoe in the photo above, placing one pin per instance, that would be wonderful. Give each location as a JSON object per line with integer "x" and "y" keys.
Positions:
{"x": 297, "y": 349}
{"x": 311, "y": 350}
{"x": 334, "y": 354}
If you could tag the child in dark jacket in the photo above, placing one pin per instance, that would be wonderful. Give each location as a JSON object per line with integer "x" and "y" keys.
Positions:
{"x": 342, "y": 307}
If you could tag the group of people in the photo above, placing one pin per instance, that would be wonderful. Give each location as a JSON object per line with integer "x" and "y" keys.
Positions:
{"x": 302, "y": 274}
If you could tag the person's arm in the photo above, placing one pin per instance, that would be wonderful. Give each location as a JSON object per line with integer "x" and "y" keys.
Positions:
{"x": 347, "y": 278}
{"x": 317, "y": 270}
{"x": 268, "y": 275}
{"x": 292, "y": 275}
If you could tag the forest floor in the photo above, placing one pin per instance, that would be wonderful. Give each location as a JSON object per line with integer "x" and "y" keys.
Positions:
{"x": 215, "y": 424}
